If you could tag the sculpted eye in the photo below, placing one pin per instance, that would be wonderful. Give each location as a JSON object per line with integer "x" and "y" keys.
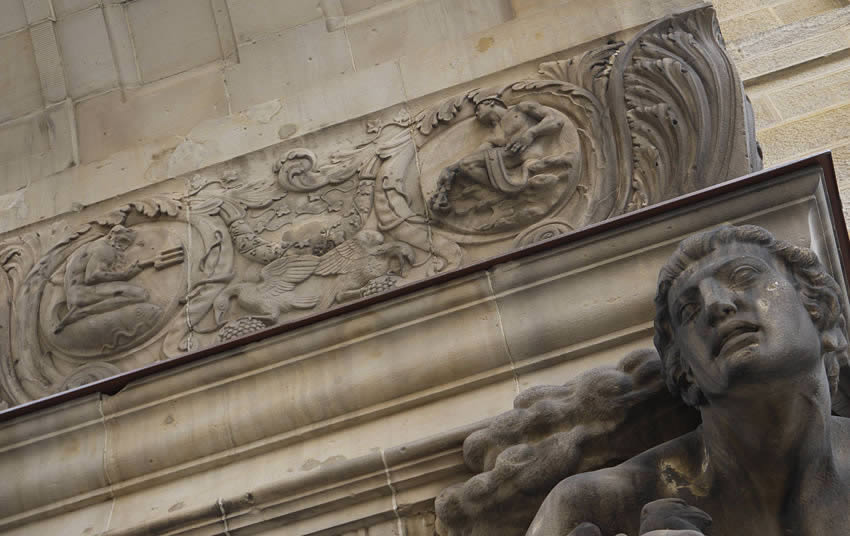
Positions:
{"x": 743, "y": 275}
{"x": 687, "y": 312}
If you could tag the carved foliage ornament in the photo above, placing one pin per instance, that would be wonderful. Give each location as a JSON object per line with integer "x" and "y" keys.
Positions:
{"x": 616, "y": 129}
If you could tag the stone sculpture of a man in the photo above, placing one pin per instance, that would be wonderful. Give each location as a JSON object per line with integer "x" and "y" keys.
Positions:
{"x": 523, "y": 150}
{"x": 751, "y": 331}
{"x": 97, "y": 277}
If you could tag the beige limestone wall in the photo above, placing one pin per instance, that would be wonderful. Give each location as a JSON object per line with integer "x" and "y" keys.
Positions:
{"x": 794, "y": 58}
{"x": 102, "y": 97}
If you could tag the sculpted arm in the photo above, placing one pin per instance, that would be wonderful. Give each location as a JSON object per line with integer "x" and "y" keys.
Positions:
{"x": 98, "y": 269}
{"x": 549, "y": 121}
{"x": 601, "y": 498}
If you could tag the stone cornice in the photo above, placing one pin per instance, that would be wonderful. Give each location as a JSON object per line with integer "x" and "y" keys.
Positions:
{"x": 466, "y": 345}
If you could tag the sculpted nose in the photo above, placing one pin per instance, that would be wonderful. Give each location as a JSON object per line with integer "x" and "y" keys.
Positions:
{"x": 719, "y": 301}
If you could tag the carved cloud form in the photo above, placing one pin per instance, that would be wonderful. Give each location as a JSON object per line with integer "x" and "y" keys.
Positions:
{"x": 597, "y": 419}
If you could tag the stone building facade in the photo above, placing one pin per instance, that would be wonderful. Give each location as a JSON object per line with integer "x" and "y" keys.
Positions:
{"x": 227, "y": 166}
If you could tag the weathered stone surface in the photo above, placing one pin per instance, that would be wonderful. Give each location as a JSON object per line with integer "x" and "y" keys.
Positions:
{"x": 299, "y": 228}
{"x": 87, "y": 56}
{"x": 19, "y": 80}
{"x": 308, "y": 50}
{"x": 813, "y": 95}
{"x": 65, "y": 7}
{"x": 165, "y": 44}
{"x": 344, "y": 437}
{"x": 115, "y": 121}
{"x": 256, "y": 19}
{"x": 794, "y": 11}
{"x": 806, "y": 135}
{"x": 14, "y": 17}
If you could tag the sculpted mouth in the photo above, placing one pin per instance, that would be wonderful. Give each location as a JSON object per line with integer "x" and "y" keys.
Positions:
{"x": 734, "y": 337}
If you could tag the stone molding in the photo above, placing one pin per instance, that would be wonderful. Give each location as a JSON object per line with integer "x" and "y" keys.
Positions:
{"x": 279, "y": 234}
{"x": 505, "y": 327}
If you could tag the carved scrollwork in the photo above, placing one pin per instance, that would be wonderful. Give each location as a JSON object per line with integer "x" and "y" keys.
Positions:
{"x": 542, "y": 231}
{"x": 613, "y": 130}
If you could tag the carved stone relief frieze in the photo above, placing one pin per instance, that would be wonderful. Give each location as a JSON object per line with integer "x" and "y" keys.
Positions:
{"x": 610, "y": 131}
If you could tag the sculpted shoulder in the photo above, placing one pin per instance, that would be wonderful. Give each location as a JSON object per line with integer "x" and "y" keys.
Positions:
{"x": 840, "y": 432}
{"x": 612, "y": 498}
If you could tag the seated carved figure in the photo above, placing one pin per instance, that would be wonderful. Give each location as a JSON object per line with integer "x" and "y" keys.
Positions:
{"x": 523, "y": 150}
{"x": 751, "y": 332}
{"x": 97, "y": 277}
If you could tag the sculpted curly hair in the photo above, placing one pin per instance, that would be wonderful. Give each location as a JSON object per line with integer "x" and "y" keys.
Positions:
{"x": 819, "y": 292}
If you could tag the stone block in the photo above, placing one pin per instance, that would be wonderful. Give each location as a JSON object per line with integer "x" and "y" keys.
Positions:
{"x": 13, "y": 208}
{"x": 795, "y": 10}
{"x": 749, "y": 24}
{"x": 49, "y": 61}
{"x": 122, "y": 44}
{"x": 165, "y": 43}
{"x": 800, "y": 73}
{"x": 813, "y": 95}
{"x": 794, "y": 53}
{"x": 35, "y": 147}
{"x": 296, "y": 59}
{"x": 455, "y": 62}
{"x": 524, "y": 8}
{"x": 350, "y": 7}
{"x": 534, "y": 35}
{"x": 23, "y": 137}
{"x": 841, "y": 160}
{"x": 356, "y": 94}
{"x": 19, "y": 80}
{"x": 790, "y": 35}
{"x": 253, "y": 19}
{"x": 341, "y": 99}
{"x": 796, "y": 138}
{"x": 727, "y": 9}
{"x": 62, "y": 134}
{"x": 38, "y": 10}
{"x": 526, "y": 311}
{"x": 224, "y": 27}
{"x": 74, "y": 451}
{"x": 110, "y": 123}
{"x": 400, "y": 32}
{"x": 66, "y": 7}
{"x": 465, "y": 17}
{"x": 86, "y": 53}
{"x": 765, "y": 111}
{"x": 86, "y": 521}
{"x": 80, "y": 186}
{"x": 14, "y": 17}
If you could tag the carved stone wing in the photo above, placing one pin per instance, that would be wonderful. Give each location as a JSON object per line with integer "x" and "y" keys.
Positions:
{"x": 283, "y": 274}
{"x": 342, "y": 259}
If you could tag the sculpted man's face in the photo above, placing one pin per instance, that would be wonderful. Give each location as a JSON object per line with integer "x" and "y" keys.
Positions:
{"x": 489, "y": 112}
{"x": 123, "y": 240}
{"x": 738, "y": 318}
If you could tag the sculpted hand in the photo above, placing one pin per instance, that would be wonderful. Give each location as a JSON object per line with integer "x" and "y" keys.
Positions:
{"x": 673, "y": 517}
{"x": 586, "y": 529}
{"x": 134, "y": 269}
{"x": 520, "y": 143}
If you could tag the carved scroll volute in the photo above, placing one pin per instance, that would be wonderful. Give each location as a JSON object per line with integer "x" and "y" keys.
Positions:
{"x": 680, "y": 110}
